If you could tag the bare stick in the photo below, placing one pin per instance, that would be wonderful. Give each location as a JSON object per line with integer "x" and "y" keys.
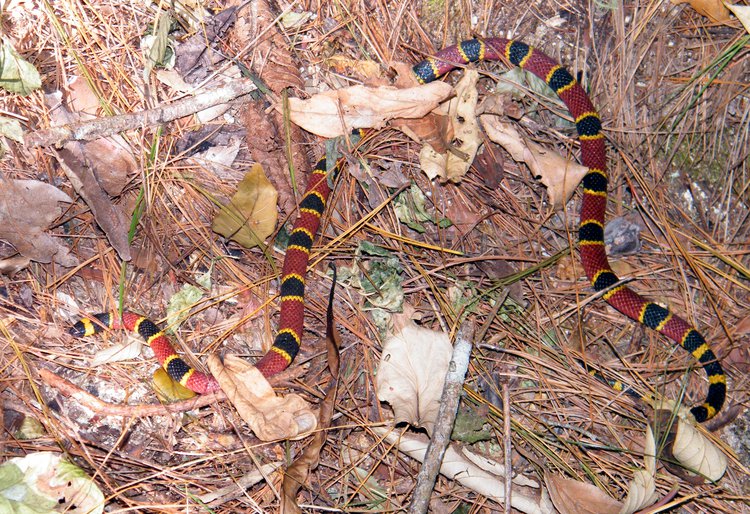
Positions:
{"x": 454, "y": 384}
{"x": 101, "y": 127}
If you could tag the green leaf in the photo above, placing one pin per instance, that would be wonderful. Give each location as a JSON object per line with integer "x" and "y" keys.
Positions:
{"x": 45, "y": 482}
{"x": 11, "y": 128}
{"x": 17, "y": 75}
{"x": 181, "y": 302}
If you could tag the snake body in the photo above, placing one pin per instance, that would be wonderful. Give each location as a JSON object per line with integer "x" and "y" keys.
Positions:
{"x": 591, "y": 236}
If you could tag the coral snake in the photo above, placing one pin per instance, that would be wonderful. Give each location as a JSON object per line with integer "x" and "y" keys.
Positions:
{"x": 591, "y": 237}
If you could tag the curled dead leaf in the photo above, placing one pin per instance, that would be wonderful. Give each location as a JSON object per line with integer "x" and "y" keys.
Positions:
{"x": 334, "y": 113}
{"x": 461, "y": 130}
{"x": 269, "y": 416}
{"x": 642, "y": 489}
{"x": 484, "y": 479}
{"x": 560, "y": 175}
{"x": 697, "y": 453}
{"x": 412, "y": 372}
{"x": 574, "y": 497}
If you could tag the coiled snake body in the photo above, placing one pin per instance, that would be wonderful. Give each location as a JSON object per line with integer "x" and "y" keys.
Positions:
{"x": 591, "y": 237}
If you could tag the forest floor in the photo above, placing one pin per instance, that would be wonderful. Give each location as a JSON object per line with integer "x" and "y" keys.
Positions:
{"x": 126, "y": 218}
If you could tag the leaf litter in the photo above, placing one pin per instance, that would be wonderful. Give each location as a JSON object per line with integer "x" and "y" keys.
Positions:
{"x": 539, "y": 387}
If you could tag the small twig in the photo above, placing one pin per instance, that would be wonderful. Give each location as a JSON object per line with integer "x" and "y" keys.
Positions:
{"x": 102, "y": 127}
{"x": 507, "y": 445}
{"x": 454, "y": 383}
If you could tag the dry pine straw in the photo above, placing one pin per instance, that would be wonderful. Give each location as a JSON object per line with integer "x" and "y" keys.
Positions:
{"x": 550, "y": 395}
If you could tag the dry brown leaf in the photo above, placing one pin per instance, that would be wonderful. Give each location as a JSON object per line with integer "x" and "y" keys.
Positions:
{"x": 465, "y": 135}
{"x": 110, "y": 158}
{"x": 476, "y": 472}
{"x": 110, "y": 217}
{"x": 412, "y": 371}
{"x": 269, "y": 416}
{"x": 256, "y": 21}
{"x": 743, "y": 14}
{"x": 364, "y": 107}
{"x": 560, "y": 175}
{"x": 712, "y": 9}
{"x": 433, "y": 130}
{"x": 27, "y": 208}
{"x": 574, "y": 497}
{"x": 96, "y": 169}
{"x": 742, "y": 327}
{"x": 251, "y": 215}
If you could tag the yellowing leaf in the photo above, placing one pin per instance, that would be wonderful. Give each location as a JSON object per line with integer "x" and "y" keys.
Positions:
{"x": 251, "y": 215}
{"x": 712, "y": 9}
{"x": 559, "y": 174}
{"x": 334, "y": 113}
{"x": 169, "y": 390}
{"x": 412, "y": 372}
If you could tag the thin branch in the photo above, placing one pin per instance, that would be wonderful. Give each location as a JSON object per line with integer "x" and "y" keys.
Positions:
{"x": 102, "y": 127}
{"x": 446, "y": 417}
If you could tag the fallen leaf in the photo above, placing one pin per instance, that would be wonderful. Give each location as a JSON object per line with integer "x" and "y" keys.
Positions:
{"x": 364, "y": 107}
{"x": 742, "y": 12}
{"x": 348, "y": 67}
{"x": 712, "y": 9}
{"x": 110, "y": 217}
{"x": 574, "y": 497}
{"x": 476, "y": 473}
{"x": 109, "y": 158}
{"x": 46, "y": 482}
{"x": 180, "y": 303}
{"x": 251, "y": 215}
{"x": 642, "y": 489}
{"x": 167, "y": 389}
{"x": 560, "y": 175}
{"x": 411, "y": 374}
{"x": 27, "y": 208}
{"x": 433, "y": 129}
{"x": 96, "y": 169}
{"x": 270, "y": 417}
{"x": 11, "y": 128}
{"x": 13, "y": 265}
{"x": 17, "y": 75}
{"x": 697, "y": 453}
{"x": 129, "y": 349}
{"x": 466, "y": 137}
